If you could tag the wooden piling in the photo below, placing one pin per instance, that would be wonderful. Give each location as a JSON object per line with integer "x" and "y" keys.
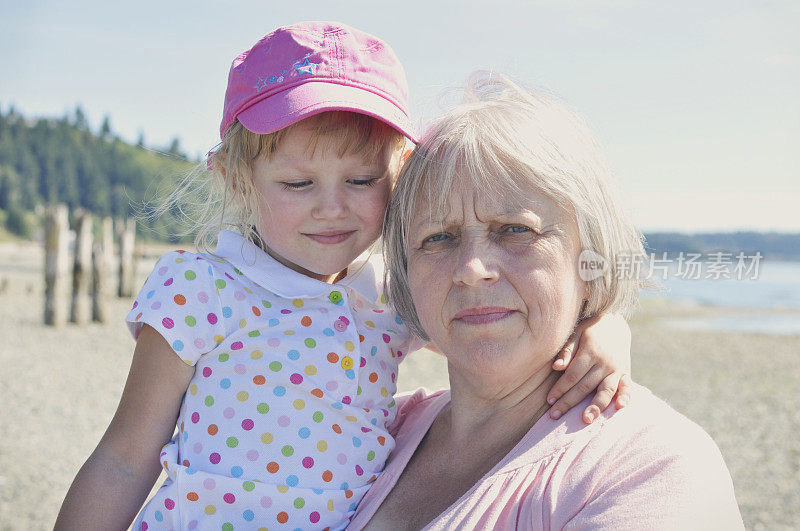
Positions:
{"x": 100, "y": 281}
{"x": 127, "y": 242}
{"x": 55, "y": 264}
{"x": 102, "y": 263}
{"x": 107, "y": 241}
{"x": 82, "y": 268}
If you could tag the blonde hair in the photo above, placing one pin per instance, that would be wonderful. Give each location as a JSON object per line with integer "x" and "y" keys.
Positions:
{"x": 222, "y": 195}
{"x": 507, "y": 140}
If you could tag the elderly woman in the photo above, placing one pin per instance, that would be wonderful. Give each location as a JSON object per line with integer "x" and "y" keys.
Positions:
{"x": 483, "y": 238}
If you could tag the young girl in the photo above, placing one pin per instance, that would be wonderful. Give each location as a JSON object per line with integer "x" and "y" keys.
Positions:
{"x": 278, "y": 353}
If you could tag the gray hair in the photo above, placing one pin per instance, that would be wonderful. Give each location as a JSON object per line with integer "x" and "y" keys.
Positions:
{"x": 508, "y": 140}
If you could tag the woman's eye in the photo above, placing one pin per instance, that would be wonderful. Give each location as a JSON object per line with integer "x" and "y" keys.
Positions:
{"x": 369, "y": 181}
{"x": 516, "y": 229}
{"x": 436, "y": 238}
{"x": 295, "y": 185}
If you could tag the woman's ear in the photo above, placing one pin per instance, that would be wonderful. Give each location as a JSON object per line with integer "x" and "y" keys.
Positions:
{"x": 582, "y": 313}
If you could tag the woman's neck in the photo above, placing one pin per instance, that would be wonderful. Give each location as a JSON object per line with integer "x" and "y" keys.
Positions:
{"x": 498, "y": 414}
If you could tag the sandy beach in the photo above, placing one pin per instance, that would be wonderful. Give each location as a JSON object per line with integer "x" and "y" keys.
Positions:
{"x": 60, "y": 386}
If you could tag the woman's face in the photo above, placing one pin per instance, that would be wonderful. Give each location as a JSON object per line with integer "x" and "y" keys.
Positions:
{"x": 495, "y": 285}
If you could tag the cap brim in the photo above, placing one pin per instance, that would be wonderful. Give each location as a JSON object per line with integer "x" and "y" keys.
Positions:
{"x": 296, "y": 103}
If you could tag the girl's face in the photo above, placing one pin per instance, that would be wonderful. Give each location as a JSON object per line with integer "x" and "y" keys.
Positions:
{"x": 319, "y": 212}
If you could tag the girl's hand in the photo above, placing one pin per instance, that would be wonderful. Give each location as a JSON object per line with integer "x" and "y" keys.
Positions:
{"x": 602, "y": 360}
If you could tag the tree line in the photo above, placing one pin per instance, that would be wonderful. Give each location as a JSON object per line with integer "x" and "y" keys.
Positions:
{"x": 47, "y": 161}
{"x": 772, "y": 245}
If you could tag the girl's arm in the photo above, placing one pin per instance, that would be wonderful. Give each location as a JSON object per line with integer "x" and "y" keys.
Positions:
{"x": 602, "y": 361}
{"x": 113, "y": 483}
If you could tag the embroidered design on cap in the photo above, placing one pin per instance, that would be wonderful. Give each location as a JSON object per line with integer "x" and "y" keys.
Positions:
{"x": 263, "y": 81}
{"x": 306, "y": 67}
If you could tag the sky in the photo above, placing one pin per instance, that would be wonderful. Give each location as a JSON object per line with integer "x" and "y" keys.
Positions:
{"x": 695, "y": 103}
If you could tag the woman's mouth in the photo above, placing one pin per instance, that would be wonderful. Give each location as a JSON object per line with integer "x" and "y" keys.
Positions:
{"x": 483, "y": 315}
{"x": 330, "y": 237}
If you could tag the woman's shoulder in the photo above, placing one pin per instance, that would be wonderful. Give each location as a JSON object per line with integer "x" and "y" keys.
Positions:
{"x": 650, "y": 422}
{"x": 643, "y": 466}
{"x": 646, "y": 463}
{"x": 646, "y": 432}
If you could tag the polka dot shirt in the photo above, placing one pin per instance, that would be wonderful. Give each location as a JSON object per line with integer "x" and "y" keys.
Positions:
{"x": 283, "y": 425}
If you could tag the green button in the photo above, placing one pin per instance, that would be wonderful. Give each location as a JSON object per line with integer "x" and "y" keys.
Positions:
{"x": 335, "y": 297}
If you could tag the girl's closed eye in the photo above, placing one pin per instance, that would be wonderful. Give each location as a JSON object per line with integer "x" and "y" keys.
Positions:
{"x": 305, "y": 183}
{"x": 295, "y": 185}
{"x": 364, "y": 181}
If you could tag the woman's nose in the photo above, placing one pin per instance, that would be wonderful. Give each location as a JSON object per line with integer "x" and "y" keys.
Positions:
{"x": 330, "y": 204}
{"x": 475, "y": 265}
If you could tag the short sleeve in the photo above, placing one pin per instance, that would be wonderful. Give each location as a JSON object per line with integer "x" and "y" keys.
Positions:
{"x": 180, "y": 301}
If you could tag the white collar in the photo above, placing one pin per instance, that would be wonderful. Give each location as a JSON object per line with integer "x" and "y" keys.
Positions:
{"x": 267, "y": 272}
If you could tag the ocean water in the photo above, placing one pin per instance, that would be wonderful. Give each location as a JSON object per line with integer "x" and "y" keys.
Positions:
{"x": 776, "y": 288}
{"x": 782, "y": 325}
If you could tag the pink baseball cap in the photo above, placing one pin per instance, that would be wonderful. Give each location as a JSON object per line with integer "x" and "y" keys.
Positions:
{"x": 311, "y": 67}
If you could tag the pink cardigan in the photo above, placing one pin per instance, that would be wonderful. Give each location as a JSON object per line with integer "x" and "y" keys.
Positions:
{"x": 643, "y": 467}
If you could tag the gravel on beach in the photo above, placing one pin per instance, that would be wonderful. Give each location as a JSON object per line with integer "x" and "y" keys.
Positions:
{"x": 60, "y": 386}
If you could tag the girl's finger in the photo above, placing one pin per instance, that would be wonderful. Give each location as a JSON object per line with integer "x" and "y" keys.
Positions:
{"x": 585, "y": 384}
{"x": 603, "y": 397}
{"x": 565, "y": 356}
{"x": 572, "y": 375}
{"x": 623, "y": 395}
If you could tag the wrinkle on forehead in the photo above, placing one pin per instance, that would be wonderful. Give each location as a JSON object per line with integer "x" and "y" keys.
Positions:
{"x": 505, "y": 199}
{"x": 459, "y": 157}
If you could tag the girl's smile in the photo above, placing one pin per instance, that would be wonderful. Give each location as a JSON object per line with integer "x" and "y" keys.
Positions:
{"x": 331, "y": 237}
